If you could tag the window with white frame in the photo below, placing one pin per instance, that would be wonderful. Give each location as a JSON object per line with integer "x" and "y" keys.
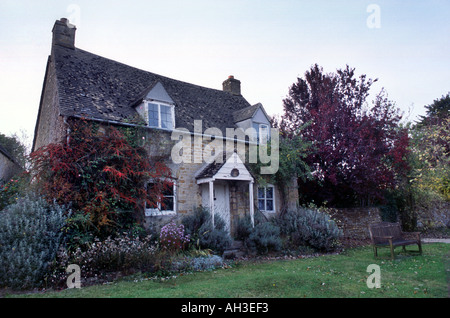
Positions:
{"x": 161, "y": 115}
{"x": 266, "y": 198}
{"x": 262, "y": 132}
{"x": 161, "y": 199}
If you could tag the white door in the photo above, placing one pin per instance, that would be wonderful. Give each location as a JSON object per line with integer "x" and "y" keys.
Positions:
{"x": 221, "y": 201}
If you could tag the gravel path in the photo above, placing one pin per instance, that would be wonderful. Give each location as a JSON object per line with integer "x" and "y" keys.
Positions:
{"x": 435, "y": 240}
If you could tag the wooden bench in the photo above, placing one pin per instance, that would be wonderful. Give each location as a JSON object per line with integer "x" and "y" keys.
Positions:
{"x": 390, "y": 235}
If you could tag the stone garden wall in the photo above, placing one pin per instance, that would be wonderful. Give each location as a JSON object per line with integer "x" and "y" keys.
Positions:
{"x": 354, "y": 223}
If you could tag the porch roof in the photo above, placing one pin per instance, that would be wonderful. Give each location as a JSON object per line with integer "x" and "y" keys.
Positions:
{"x": 231, "y": 169}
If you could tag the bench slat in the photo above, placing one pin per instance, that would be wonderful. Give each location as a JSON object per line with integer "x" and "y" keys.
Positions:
{"x": 385, "y": 234}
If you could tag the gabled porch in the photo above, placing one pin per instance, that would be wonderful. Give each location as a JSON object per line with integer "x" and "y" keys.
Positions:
{"x": 227, "y": 189}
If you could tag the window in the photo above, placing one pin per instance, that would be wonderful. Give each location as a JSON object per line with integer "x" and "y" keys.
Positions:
{"x": 163, "y": 205}
{"x": 161, "y": 115}
{"x": 262, "y": 132}
{"x": 153, "y": 115}
{"x": 166, "y": 117}
{"x": 266, "y": 198}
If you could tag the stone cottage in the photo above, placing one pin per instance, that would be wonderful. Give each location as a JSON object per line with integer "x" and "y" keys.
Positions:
{"x": 203, "y": 134}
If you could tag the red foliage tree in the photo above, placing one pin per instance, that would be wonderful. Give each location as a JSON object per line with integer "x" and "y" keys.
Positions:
{"x": 99, "y": 172}
{"x": 357, "y": 152}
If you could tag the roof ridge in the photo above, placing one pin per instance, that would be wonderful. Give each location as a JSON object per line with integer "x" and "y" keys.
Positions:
{"x": 107, "y": 89}
{"x": 152, "y": 73}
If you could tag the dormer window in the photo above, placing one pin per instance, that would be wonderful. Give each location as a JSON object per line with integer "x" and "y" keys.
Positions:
{"x": 157, "y": 108}
{"x": 160, "y": 115}
{"x": 262, "y": 133}
{"x": 254, "y": 117}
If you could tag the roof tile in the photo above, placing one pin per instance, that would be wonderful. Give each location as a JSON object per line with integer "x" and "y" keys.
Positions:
{"x": 104, "y": 89}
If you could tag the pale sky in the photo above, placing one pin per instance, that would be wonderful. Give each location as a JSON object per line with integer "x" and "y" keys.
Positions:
{"x": 266, "y": 44}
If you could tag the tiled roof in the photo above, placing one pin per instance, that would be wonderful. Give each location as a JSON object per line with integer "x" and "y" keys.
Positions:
{"x": 245, "y": 113}
{"x": 99, "y": 88}
{"x": 210, "y": 169}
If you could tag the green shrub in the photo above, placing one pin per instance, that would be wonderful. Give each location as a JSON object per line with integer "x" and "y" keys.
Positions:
{"x": 79, "y": 231}
{"x": 215, "y": 239}
{"x": 202, "y": 233}
{"x": 10, "y": 191}
{"x": 264, "y": 238}
{"x": 30, "y": 236}
{"x": 388, "y": 213}
{"x": 309, "y": 227}
{"x": 243, "y": 228}
{"x": 193, "y": 222}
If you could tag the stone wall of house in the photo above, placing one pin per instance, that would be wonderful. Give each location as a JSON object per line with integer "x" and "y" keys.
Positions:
{"x": 160, "y": 146}
{"x": 188, "y": 193}
{"x": 239, "y": 202}
{"x": 51, "y": 127}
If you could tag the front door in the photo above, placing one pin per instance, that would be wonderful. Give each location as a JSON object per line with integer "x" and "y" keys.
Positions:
{"x": 221, "y": 201}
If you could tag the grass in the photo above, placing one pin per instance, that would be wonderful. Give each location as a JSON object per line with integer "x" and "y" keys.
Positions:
{"x": 329, "y": 276}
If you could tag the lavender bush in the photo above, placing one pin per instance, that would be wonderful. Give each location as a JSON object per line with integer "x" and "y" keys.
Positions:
{"x": 195, "y": 264}
{"x": 310, "y": 227}
{"x": 203, "y": 234}
{"x": 30, "y": 235}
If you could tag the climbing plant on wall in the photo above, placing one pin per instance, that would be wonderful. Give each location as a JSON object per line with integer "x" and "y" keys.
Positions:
{"x": 100, "y": 173}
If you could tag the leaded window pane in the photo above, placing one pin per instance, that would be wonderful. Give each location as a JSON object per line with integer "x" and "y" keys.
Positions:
{"x": 269, "y": 205}
{"x": 263, "y": 133}
{"x": 166, "y": 117}
{"x": 167, "y": 204}
{"x": 153, "y": 115}
{"x": 269, "y": 192}
{"x": 261, "y": 205}
{"x": 261, "y": 194}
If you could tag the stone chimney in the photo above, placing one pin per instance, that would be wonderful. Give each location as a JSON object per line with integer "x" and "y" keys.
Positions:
{"x": 64, "y": 33}
{"x": 232, "y": 85}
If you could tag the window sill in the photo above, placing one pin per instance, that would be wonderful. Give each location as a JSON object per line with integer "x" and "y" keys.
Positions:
{"x": 159, "y": 213}
{"x": 159, "y": 128}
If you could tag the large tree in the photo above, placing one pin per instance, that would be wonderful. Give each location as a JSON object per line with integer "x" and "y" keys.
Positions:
{"x": 436, "y": 112}
{"x": 358, "y": 150}
{"x": 431, "y": 148}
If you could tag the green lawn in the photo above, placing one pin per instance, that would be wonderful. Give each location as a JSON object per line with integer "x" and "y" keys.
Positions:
{"x": 333, "y": 276}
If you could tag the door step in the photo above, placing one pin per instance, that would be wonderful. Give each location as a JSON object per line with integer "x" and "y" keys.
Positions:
{"x": 236, "y": 250}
